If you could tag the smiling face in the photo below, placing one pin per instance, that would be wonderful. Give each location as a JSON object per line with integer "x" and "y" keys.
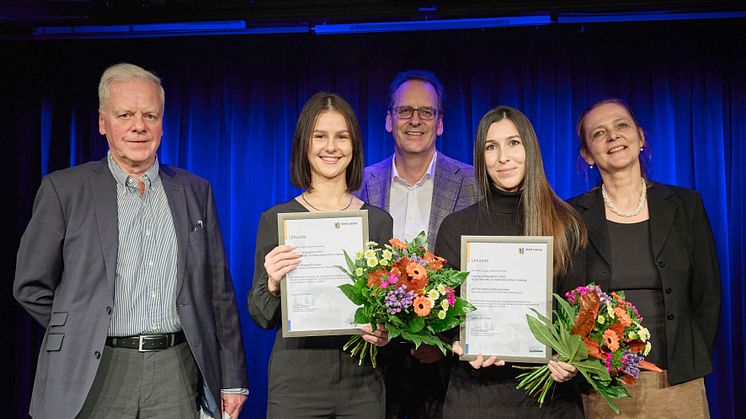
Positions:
{"x": 612, "y": 139}
{"x": 415, "y": 136}
{"x": 505, "y": 156}
{"x": 131, "y": 120}
{"x": 330, "y": 147}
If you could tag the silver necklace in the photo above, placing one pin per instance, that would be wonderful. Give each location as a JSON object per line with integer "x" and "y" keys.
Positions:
{"x": 303, "y": 197}
{"x": 626, "y": 214}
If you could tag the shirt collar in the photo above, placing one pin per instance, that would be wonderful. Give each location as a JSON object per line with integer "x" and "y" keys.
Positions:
{"x": 150, "y": 177}
{"x": 429, "y": 173}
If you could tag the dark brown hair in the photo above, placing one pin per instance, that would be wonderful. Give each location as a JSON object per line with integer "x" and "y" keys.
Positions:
{"x": 544, "y": 213}
{"x": 300, "y": 168}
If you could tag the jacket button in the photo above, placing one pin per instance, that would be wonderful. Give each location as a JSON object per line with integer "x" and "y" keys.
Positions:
{"x": 668, "y": 290}
{"x": 97, "y": 354}
{"x": 661, "y": 264}
{"x": 670, "y": 317}
{"x": 108, "y": 310}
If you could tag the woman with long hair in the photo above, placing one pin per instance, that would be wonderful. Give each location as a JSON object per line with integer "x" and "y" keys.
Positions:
{"x": 311, "y": 376}
{"x": 654, "y": 242}
{"x": 518, "y": 202}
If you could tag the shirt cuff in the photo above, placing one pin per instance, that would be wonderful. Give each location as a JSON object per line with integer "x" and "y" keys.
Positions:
{"x": 242, "y": 391}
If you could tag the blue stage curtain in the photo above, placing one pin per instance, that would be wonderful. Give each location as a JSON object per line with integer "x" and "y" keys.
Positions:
{"x": 232, "y": 102}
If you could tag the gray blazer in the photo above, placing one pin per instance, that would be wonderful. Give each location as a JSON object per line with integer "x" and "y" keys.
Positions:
{"x": 65, "y": 276}
{"x": 455, "y": 189}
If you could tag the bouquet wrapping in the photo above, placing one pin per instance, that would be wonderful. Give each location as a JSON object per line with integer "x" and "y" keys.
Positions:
{"x": 601, "y": 335}
{"x": 406, "y": 289}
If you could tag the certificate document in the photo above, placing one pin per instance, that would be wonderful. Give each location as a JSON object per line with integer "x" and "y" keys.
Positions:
{"x": 508, "y": 276}
{"x": 312, "y": 304}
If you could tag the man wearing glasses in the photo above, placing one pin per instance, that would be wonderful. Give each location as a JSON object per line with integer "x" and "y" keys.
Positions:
{"x": 419, "y": 187}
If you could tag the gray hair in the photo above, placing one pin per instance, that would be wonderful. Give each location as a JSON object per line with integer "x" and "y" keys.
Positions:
{"x": 124, "y": 72}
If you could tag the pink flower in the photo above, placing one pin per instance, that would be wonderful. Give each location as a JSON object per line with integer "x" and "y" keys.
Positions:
{"x": 393, "y": 278}
{"x": 385, "y": 284}
{"x": 608, "y": 361}
{"x": 451, "y": 299}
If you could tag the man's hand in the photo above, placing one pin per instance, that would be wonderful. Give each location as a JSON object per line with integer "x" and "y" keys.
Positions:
{"x": 379, "y": 338}
{"x": 427, "y": 354}
{"x": 232, "y": 404}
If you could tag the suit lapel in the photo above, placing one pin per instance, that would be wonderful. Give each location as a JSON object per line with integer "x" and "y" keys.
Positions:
{"x": 379, "y": 187}
{"x": 104, "y": 192}
{"x": 662, "y": 215}
{"x": 445, "y": 191}
{"x": 177, "y": 201}
{"x": 595, "y": 219}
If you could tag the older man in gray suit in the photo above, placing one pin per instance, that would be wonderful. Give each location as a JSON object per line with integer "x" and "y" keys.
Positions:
{"x": 419, "y": 187}
{"x": 123, "y": 264}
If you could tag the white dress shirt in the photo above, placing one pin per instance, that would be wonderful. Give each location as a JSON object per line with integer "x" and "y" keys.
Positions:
{"x": 409, "y": 205}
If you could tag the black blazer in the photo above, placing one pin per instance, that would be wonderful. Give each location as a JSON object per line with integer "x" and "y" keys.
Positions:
{"x": 684, "y": 254}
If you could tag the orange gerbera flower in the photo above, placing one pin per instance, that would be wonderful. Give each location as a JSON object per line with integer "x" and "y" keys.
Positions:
{"x": 422, "y": 306}
{"x": 623, "y": 317}
{"x": 398, "y": 243}
{"x": 434, "y": 262}
{"x": 617, "y": 328}
{"x": 611, "y": 340}
{"x": 416, "y": 271}
{"x": 417, "y": 276}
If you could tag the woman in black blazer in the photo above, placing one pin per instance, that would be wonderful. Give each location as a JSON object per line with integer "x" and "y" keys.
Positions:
{"x": 654, "y": 242}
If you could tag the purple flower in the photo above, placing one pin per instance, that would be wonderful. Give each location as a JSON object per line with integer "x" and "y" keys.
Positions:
{"x": 631, "y": 362}
{"x": 398, "y": 299}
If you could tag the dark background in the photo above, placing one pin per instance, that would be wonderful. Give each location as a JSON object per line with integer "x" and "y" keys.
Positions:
{"x": 232, "y": 102}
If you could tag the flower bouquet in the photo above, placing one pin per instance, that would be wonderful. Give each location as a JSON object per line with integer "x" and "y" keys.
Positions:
{"x": 405, "y": 288}
{"x": 601, "y": 335}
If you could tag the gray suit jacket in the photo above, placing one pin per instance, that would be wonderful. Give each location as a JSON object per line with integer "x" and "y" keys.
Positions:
{"x": 455, "y": 189}
{"x": 65, "y": 277}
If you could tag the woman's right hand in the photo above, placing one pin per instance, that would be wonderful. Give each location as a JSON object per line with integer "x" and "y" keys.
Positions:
{"x": 480, "y": 362}
{"x": 277, "y": 263}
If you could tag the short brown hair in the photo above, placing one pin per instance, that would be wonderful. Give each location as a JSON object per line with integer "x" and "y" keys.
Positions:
{"x": 300, "y": 167}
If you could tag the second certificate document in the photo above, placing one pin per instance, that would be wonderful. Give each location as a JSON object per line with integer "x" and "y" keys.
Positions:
{"x": 508, "y": 276}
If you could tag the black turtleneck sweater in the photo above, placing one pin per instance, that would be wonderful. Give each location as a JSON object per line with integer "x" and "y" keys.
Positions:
{"x": 498, "y": 215}
{"x": 491, "y": 392}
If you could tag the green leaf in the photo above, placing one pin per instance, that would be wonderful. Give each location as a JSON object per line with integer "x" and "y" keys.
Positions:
{"x": 361, "y": 317}
{"x": 412, "y": 337}
{"x": 542, "y": 332}
{"x": 394, "y": 331}
{"x": 350, "y": 263}
{"x": 353, "y": 293}
{"x": 415, "y": 325}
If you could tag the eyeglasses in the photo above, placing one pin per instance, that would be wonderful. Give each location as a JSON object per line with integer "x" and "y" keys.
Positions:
{"x": 406, "y": 112}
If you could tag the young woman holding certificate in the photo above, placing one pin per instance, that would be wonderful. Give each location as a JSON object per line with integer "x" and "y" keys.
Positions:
{"x": 675, "y": 280}
{"x": 518, "y": 202}
{"x": 311, "y": 376}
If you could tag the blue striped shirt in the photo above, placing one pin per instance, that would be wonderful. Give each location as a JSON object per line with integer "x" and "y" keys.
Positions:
{"x": 145, "y": 289}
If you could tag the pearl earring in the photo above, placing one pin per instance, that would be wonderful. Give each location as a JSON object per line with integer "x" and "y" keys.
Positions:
{"x": 590, "y": 166}
{"x": 642, "y": 148}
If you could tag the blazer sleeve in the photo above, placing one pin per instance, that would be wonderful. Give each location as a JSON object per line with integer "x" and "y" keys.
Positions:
{"x": 263, "y": 306}
{"x": 39, "y": 260}
{"x": 227, "y": 325}
{"x": 705, "y": 292}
